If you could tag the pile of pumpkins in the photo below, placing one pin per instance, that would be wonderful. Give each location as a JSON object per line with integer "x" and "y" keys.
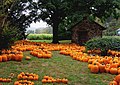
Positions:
{"x": 23, "y": 82}
{"x": 39, "y": 53}
{"x": 26, "y": 78}
{"x": 49, "y": 79}
{"x": 11, "y": 57}
{"x": 96, "y": 63}
{"x": 114, "y": 53}
{"x": 5, "y": 80}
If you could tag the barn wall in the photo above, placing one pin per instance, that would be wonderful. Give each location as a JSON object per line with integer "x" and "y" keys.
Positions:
{"x": 93, "y": 29}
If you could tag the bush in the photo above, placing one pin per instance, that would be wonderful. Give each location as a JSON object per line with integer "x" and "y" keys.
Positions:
{"x": 8, "y": 35}
{"x": 40, "y": 37}
{"x": 104, "y": 44}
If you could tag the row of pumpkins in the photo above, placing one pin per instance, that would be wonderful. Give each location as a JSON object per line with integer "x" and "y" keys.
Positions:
{"x": 96, "y": 63}
{"x": 28, "y": 78}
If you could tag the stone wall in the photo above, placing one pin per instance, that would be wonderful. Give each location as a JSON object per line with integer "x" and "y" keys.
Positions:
{"x": 92, "y": 28}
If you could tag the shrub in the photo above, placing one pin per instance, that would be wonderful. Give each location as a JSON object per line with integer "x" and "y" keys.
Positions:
{"x": 40, "y": 37}
{"x": 8, "y": 36}
{"x": 104, "y": 44}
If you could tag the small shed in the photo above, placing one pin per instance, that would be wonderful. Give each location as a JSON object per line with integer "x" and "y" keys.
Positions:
{"x": 86, "y": 30}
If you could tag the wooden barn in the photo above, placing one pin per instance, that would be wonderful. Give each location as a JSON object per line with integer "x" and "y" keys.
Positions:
{"x": 85, "y": 30}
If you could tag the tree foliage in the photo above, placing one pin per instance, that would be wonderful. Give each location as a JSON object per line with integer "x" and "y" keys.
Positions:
{"x": 9, "y": 32}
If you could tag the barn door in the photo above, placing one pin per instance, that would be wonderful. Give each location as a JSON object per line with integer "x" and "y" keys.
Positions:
{"x": 82, "y": 37}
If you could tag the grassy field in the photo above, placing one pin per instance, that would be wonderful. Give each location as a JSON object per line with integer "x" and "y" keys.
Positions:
{"x": 40, "y": 36}
{"x": 59, "y": 66}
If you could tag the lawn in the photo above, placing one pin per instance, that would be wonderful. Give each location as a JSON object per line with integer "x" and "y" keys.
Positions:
{"x": 59, "y": 66}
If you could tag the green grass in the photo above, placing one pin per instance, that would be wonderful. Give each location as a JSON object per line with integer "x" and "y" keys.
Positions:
{"x": 49, "y": 41}
{"x": 40, "y": 36}
{"x": 59, "y": 66}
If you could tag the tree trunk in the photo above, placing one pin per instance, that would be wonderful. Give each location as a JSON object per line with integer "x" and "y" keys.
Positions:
{"x": 1, "y": 28}
{"x": 55, "y": 32}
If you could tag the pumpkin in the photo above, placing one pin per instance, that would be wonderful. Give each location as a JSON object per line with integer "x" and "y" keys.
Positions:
{"x": 114, "y": 65}
{"x": 117, "y": 78}
{"x": 113, "y": 83}
{"x": 105, "y": 60}
{"x": 113, "y": 71}
{"x": 118, "y": 71}
{"x": 18, "y": 57}
{"x": 44, "y": 81}
{"x": 94, "y": 69}
{"x": 107, "y": 68}
{"x": 65, "y": 81}
{"x": 89, "y": 66}
{"x": 16, "y": 83}
{"x": 4, "y": 58}
{"x": 27, "y": 57}
{"x": 46, "y": 77}
{"x": 0, "y": 58}
{"x": 102, "y": 68}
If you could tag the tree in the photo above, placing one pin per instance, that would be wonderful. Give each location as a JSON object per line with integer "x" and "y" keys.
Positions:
{"x": 6, "y": 30}
{"x": 56, "y": 12}
{"x": 53, "y": 12}
{"x": 9, "y": 31}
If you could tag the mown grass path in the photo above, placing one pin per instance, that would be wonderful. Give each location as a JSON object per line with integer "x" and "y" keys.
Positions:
{"x": 59, "y": 66}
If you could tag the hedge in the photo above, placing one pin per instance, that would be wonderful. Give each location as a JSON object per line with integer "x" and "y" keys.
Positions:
{"x": 104, "y": 44}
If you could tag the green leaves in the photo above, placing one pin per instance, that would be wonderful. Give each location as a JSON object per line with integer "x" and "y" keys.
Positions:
{"x": 106, "y": 43}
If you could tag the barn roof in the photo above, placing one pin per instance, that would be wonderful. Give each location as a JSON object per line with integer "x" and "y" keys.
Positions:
{"x": 91, "y": 22}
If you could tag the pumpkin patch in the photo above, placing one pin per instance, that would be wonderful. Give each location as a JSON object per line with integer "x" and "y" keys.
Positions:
{"x": 96, "y": 63}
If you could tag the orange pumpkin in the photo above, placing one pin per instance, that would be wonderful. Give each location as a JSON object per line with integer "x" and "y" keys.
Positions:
{"x": 118, "y": 71}
{"x": 107, "y": 68}
{"x": 0, "y": 58}
{"x": 16, "y": 83}
{"x": 117, "y": 78}
{"x": 4, "y": 58}
{"x": 113, "y": 83}
{"x": 89, "y": 66}
{"x": 65, "y": 81}
{"x": 94, "y": 69}
{"x": 18, "y": 57}
{"x": 102, "y": 68}
{"x": 44, "y": 81}
{"x": 114, "y": 65}
{"x": 113, "y": 71}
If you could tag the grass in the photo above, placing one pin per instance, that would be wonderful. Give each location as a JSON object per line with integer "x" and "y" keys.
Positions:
{"x": 59, "y": 66}
{"x": 40, "y": 36}
{"x": 49, "y": 41}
